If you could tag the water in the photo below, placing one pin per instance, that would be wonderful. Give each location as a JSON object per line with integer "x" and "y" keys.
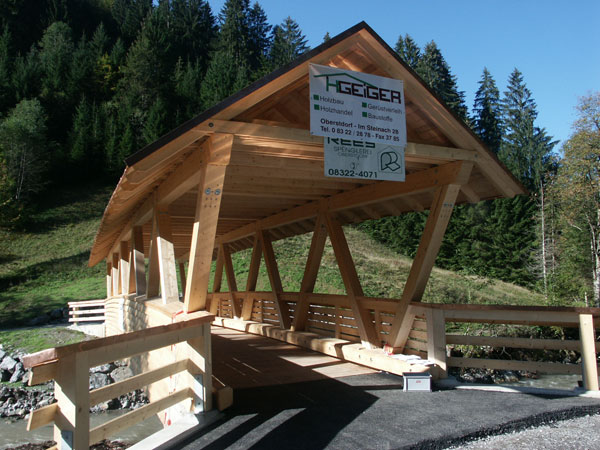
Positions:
{"x": 15, "y": 433}
{"x": 564, "y": 382}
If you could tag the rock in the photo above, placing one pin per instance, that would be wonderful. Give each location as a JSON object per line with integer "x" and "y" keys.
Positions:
{"x": 18, "y": 373}
{"x": 26, "y": 376}
{"x": 104, "y": 368}
{"x": 5, "y": 375}
{"x": 98, "y": 380}
{"x": 121, "y": 373}
{"x": 56, "y": 314}
{"x": 2, "y": 354}
{"x": 8, "y": 364}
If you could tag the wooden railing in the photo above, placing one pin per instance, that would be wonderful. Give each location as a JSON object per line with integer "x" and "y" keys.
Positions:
{"x": 69, "y": 367}
{"x": 87, "y": 311}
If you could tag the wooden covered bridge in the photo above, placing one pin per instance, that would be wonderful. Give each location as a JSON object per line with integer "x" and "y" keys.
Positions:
{"x": 248, "y": 172}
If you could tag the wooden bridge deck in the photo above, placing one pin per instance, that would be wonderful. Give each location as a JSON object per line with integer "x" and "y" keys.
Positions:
{"x": 242, "y": 360}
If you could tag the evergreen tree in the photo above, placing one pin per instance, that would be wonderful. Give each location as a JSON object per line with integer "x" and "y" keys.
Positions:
{"x": 326, "y": 37}
{"x": 188, "y": 86}
{"x": 6, "y": 97}
{"x": 156, "y": 122}
{"x": 435, "y": 71}
{"x": 129, "y": 16}
{"x": 409, "y": 51}
{"x": 26, "y": 76}
{"x": 487, "y": 112}
{"x": 56, "y": 50}
{"x": 288, "y": 43}
{"x": 259, "y": 38}
{"x": 194, "y": 30}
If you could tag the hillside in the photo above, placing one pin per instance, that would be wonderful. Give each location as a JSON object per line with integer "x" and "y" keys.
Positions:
{"x": 45, "y": 266}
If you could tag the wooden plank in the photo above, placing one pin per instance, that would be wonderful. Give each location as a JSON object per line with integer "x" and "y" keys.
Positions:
{"x": 509, "y": 364}
{"x": 512, "y": 342}
{"x": 430, "y": 243}
{"x": 347, "y": 268}
{"x": 136, "y": 382}
{"x": 182, "y": 275}
{"x": 153, "y": 285}
{"x": 42, "y": 416}
{"x": 436, "y": 341}
{"x": 43, "y": 372}
{"x": 116, "y": 278}
{"x": 274, "y": 279}
{"x": 231, "y": 282}
{"x": 139, "y": 265}
{"x": 109, "y": 290}
{"x": 252, "y": 277}
{"x": 208, "y": 205}
{"x": 311, "y": 270}
{"x": 166, "y": 256}
{"x": 124, "y": 266}
{"x": 84, "y": 312}
{"x": 588, "y": 352}
{"x": 131, "y": 418}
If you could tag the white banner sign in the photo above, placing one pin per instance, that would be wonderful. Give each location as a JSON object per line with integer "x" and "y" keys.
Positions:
{"x": 351, "y": 158}
{"x": 355, "y": 105}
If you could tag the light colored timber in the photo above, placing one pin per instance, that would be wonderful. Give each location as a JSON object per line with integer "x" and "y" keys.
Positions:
{"x": 85, "y": 303}
{"x": 541, "y": 344}
{"x": 588, "y": 352}
{"x": 436, "y": 340}
{"x": 386, "y": 190}
{"x": 231, "y": 282}
{"x": 218, "y": 280}
{"x": 136, "y": 382}
{"x": 367, "y": 333}
{"x": 252, "y": 277}
{"x": 109, "y": 291}
{"x": 208, "y": 204}
{"x": 116, "y": 279}
{"x": 139, "y": 265}
{"x": 42, "y": 416}
{"x": 274, "y": 279}
{"x": 430, "y": 243}
{"x": 509, "y": 364}
{"x": 166, "y": 256}
{"x": 87, "y": 319}
{"x": 153, "y": 285}
{"x": 311, "y": 270}
{"x": 124, "y": 266}
{"x": 181, "y": 265}
{"x": 126, "y": 420}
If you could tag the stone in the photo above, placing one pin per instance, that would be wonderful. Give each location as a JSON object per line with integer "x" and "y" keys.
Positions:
{"x": 26, "y": 377}
{"x": 8, "y": 364}
{"x": 98, "y": 380}
{"x": 121, "y": 373}
{"x": 5, "y": 375}
{"x": 18, "y": 373}
{"x": 104, "y": 368}
{"x": 56, "y": 314}
{"x": 2, "y": 354}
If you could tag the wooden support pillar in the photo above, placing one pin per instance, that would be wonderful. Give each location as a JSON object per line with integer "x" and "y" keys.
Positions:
{"x": 275, "y": 280}
{"x": 366, "y": 329}
{"x": 182, "y": 275}
{"x": 435, "y": 228}
{"x": 71, "y": 390}
{"x": 109, "y": 292}
{"x": 231, "y": 283}
{"x": 215, "y": 303}
{"x": 589, "y": 363}
{"x": 311, "y": 271}
{"x": 124, "y": 267}
{"x": 208, "y": 204}
{"x": 153, "y": 285}
{"x": 252, "y": 278}
{"x": 200, "y": 370}
{"x": 137, "y": 263}
{"x": 436, "y": 341}
{"x": 116, "y": 282}
{"x": 166, "y": 256}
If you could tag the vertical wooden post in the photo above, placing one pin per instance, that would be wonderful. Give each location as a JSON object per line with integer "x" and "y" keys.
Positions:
{"x": 200, "y": 370}
{"x": 71, "y": 390}
{"x": 137, "y": 264}
{"x": 124, "y": 263}
{"x": 275, "y": 280}
{"x": 252, "y": 278}
{"x": 116, "y": 279}
{"x": 153, "y": 285}
{"x": 166, "y": 256}
{"x": 182, "y": 275}
{"x": 231, "y": 283}
{"x": 436, "y": 341}
{"x": 589, "y": 362}
{"x": 109, "y": 292}
{"x": 431, "y": 240}
{"x": 311, "y": 271}
{"x": 215, "y": 303}
{"x": 363, "y": 319}
{"x": 208, "y": 204}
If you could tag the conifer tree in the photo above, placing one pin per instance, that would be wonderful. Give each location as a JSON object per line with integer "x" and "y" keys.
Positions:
{"x": 288, "y": 43}
{"x": 259, "y": 38}
{"x": 6, "y": 97}
{"x": 194, "y": 30}
{"x": 408, "y": 50}
{"x": 26, "y": 76}
{"x": 487, "y": 113}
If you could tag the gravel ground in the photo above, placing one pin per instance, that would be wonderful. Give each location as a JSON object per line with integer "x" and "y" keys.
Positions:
{"x": 582, "y": 433}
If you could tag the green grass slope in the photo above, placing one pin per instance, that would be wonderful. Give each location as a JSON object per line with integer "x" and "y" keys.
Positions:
{"x": 45, "y": 266}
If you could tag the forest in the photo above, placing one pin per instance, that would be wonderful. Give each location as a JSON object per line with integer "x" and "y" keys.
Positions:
{"x": 86, "y": 83}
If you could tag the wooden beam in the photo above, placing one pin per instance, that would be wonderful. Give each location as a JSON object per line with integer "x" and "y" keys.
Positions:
{"x": 588, "y": 352}
{"x": 153, "y": 286}
{"x": 424, "y": 180}
{"x": 124, "y": 266}
{"x": 252, "y": 277}
{"x": 311, "y": 270}
{"x": 275, "y": 280}
{"x": 208, "y": 204}
{"x": 366, "y": 330}
{"x": 218, "y": 280}
{"x": 432, "y": 237}
{"x": 231, "y": 282}
{"x": 436, "y": 341}
{"x": 181, "y": 265}
{"x": 109, "y": 289}
{"x": 166, "y": 256}
{"x": 116, "y": 279}
{"x": 137, "y": 260}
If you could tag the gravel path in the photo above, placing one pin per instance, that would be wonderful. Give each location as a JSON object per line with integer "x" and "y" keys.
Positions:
{"x": 582, "y": 433}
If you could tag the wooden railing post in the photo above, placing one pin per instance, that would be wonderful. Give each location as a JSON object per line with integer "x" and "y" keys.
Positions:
{"x": 71, "y": 390}
{"x": 200, "y": 370}
{"x": 436, "y": 341}
{"x": 588, "y": 352}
